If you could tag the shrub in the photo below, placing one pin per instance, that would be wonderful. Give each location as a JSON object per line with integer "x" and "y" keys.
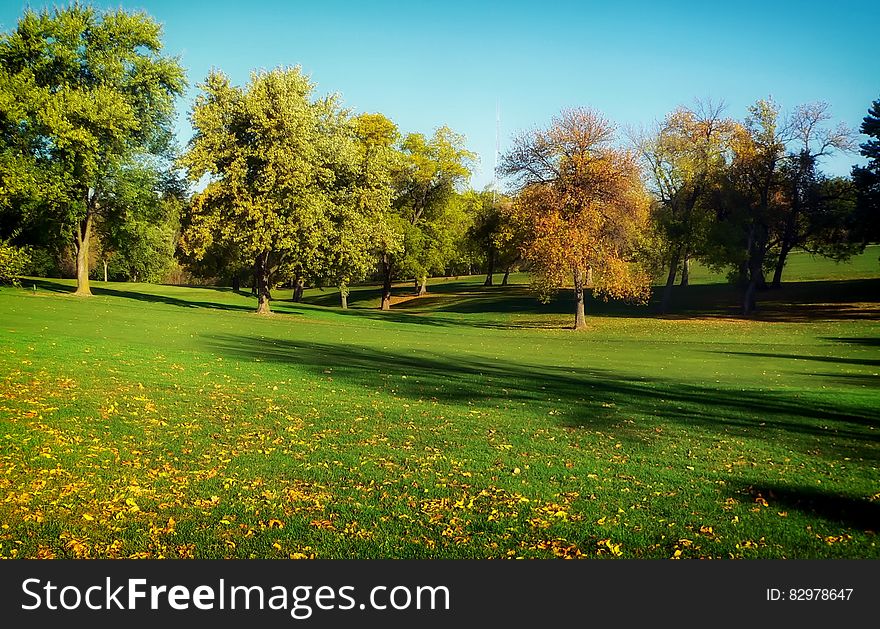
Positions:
{"x": 13, "y": 261}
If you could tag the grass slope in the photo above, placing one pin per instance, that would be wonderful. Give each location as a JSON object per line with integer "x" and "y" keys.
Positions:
{"x": 160, "y": 421}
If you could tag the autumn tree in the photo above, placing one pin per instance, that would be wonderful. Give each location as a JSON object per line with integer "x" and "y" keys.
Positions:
{"x": 81, "y": 93}
{"x": 274, "y": 156}
{"x": 683, "y": 158}
{"x": 583, "y": 204}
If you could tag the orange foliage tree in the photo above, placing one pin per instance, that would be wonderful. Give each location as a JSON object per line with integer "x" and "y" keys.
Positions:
{"x": 582, "y": 206}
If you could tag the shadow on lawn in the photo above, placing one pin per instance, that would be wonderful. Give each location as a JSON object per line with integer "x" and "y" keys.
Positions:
{"x": 822, "y": 359}
{"x": 55, "y": 287}
{"x": 866, "y": 341}
{"x": 859, "y": 513}
{"x": 592, "y": 398}
{"x": 794, "y": 302}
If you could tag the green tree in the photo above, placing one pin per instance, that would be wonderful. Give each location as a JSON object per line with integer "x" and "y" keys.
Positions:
{"x": 140, "y": 226}
{"x": 752, "y": 198}
{"x": 867, "y": 178}
{"x": 276, "y": 159}
{"x": 379, "y": 162}
{"x": 428, "y": 203}
{"x": 802, "y": 217}
{"x": 490, "y": 235}
{"x": 85, "y": 92}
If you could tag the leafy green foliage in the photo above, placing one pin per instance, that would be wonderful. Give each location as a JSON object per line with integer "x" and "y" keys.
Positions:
{"x": 278, "y": 163}
{"x": 867, "y": 178}
{"x": 13, "y": 262}
{"x": 427, "y": 200}
{"x": 82, "y": 93}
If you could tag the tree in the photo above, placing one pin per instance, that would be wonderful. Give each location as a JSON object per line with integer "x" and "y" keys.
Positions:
{"x": 275, "y": 158}
{"x": 426, "y": 201}
{"x": 802, "y": 217}
{"x": 139, "y": 226}
{"x": 490, "y": 236}
{"x": 583, "y": 205}
{"x": 683, "y": 159}
{"x": 85, "y": 93}
{"x": 867, "y": 178}
{"x": 379, "y": 231}
{"x": 752, "y": 198}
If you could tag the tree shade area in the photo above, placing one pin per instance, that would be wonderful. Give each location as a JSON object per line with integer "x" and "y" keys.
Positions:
{"x": 655, "y": 342}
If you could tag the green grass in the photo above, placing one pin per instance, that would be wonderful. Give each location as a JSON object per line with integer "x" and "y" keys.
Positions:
{"x": 160, "y": 421}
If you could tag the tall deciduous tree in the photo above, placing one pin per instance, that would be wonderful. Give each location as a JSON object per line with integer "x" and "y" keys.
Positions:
{"x": 683, "y": 159}
{"x": 275, "y": 158}
{"x": 139, "y": 226}
{"x": 803, "y": 214}
{"x": 84, "y": 93}
{"x": 754, "y": 195}
{"x": 379, "y": 161}
{"x": 490, "y": 236}
{"x": 427, "y": 202}
{"x": 583, "y": 205}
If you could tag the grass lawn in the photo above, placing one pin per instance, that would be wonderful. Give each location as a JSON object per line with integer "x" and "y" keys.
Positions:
{"x": 162, "y": 421}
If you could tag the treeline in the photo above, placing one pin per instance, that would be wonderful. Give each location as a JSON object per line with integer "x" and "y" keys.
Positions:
{"x": 282, "y": 186}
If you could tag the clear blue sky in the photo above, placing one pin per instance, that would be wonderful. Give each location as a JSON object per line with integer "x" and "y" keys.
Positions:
{"x": 429, "y": 64}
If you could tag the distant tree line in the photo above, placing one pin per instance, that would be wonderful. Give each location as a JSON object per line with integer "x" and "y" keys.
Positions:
{"x": 280, "y": 186}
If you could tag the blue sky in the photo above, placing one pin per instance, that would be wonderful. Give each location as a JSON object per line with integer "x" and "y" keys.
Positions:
{"x": 429, "y": 64}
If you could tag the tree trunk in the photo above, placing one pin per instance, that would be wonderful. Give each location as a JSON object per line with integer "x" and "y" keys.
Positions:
{"x": 757, "y": 244}
{"x": 236, "y": 283}
{"x": 780, "y": 265}
{"x": 670, "y": 282}
{"x": 423, "y": 286}
{"x": 580, "y": 322}
{"x": 506, "y": 276}
{"x": 83, "y": 237}
{"x": 343, "y": 296}
{"x": 105, "y": 271}
{"x": 255, "y": 282}
{"x": 386, "y": 283}
{"x": 489, "y": 275}
{"x": 263, "y": 295}
{"x": 748, "y": 305}
{"x": 685, "y": 269}
{"x": 299, "y": 285}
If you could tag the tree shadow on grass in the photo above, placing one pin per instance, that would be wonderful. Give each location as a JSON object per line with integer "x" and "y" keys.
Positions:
{"x": 853, "y": 512}
{"x": 56, "y": 287}
{"x": 858, "y": 340}
{"x": 794, "y": 302}
{"x": 591, "y": 398}
{"x": 822, "y": 359}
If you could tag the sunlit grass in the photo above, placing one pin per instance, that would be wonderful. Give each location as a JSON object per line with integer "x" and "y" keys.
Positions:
{"x": 158, "y": 421}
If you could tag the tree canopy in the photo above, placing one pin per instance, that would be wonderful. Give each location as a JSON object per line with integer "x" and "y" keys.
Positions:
{"x": 82, "y": 93}
{"x": 583, "y": 205}
{"x": 277, "y": 160}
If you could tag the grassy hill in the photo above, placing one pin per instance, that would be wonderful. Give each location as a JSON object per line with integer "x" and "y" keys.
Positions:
{"x": 162, "y": 421}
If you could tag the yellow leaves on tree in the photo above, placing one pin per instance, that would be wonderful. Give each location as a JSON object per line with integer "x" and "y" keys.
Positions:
{"x": 582, "y": 207}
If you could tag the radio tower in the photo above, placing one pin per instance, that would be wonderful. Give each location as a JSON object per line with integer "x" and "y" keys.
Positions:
{"x": 497, "y": 149}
